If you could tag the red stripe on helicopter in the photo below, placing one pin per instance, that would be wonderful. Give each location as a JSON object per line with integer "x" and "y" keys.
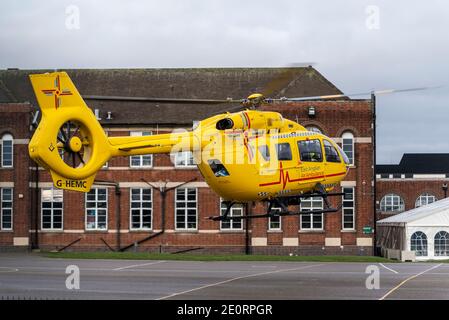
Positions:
{"x": 284, "y": 179}
{"x": 247, "y": 119}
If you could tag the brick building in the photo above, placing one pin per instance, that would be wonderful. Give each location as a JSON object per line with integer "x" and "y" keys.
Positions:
{"x": 418, "y": 179}
{"x": 139, "y": 203}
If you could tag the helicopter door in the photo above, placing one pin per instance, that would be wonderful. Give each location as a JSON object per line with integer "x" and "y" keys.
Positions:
{"x": 332, "y": 157}
{"x": 311, "y": 166}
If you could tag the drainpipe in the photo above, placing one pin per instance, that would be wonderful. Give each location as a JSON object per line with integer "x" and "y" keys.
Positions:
{"x": 35, "y": 244}
{"x": 373, "y": 104}
{"x": 118, "y": 220}
{"x": 247, "y": 222}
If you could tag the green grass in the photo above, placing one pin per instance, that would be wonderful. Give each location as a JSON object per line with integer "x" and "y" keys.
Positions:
{"x": 204, "y": 257}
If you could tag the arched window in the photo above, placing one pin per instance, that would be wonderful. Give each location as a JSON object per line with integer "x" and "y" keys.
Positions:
{"x": 441, "y": 244}
{"x": 418, "y": 243}
{"x": 425, "y": 198}
{"x": 314, "y": 129}
{"x": 7, "y": 151}
{"x": 348, "y": 145}
{"x": 391, "y": 202}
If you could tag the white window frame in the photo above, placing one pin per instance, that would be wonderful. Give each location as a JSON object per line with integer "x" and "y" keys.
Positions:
{"x": 185, "y": 156}
{"x": 343, "y": 207}
{"x": 96, "y": 210}
{"x": 236, "y": 211}
{"x": 186, "y": 201}
{"x": 51, "y": 209}
{"x": 7, "y": 137}
{"x": 444, "y": 241}
{"x": 141, "y": 208}
{"x": 391, "y": 196}
{"x": 2, "y": 209}
{"x": 414, "y": 242}
{"x": 347, "y": 135}
{"x": 312, "y": 215}
{"x": 280, "y": 220}
{"x": 140, "y": 157}
{"x": 424, "y": 197}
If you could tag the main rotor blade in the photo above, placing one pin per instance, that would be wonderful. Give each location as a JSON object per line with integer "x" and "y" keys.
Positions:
{"x": 334, "y": 96}
{"x": 160, "y": 100}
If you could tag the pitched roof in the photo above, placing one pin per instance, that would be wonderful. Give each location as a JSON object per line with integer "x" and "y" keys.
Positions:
{"x": 418, "y": 163}
{"x": 437, "y": 207}
{"x": 201, "y": 83}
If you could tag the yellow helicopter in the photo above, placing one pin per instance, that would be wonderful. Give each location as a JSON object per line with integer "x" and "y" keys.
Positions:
{"x": 244, "y": 156}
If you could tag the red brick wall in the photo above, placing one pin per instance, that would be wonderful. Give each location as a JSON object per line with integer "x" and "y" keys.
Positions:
{"x": 409, "y": 190}
{"x": 15, "y": 120}
{"x": 332, "y": 117}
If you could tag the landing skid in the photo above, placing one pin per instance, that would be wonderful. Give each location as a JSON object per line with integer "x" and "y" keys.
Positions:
{"x": 273, "y": 214}
{"x": 283, "y": 203}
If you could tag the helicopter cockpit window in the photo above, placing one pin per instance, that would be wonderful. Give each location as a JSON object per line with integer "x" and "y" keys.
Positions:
{"x": 265, "y": 152}
{"x": 331, "y": 152}
{"x": 310, "y": 150}
{"x": 284, "y": 151}
{"x": 218, "y": 168}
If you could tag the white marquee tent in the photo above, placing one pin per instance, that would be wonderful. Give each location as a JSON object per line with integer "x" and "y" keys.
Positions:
{"x": 424, "y": 231}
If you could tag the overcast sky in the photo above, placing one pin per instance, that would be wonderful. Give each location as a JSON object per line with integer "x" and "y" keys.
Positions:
{"x": 358, "y": 45}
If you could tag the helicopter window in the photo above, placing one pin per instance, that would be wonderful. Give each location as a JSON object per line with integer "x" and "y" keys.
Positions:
{"x": 284, "y": 151}
{"x": 265, "y": 152}
{"x": 331, "y": 152}
{"x": 218, "y": 168}
{"x": 310, "y": 150}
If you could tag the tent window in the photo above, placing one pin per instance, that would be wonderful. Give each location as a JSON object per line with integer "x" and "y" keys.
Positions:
{"x": 391, "y": 202}
{"x": 441, "y": 245}
{"x": 418, "y": 243}
{"x": 425, "y": 198}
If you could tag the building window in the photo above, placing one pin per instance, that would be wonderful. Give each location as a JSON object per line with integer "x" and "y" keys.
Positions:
{"x": 312, "y": 221}
{"x": 184, "y": 160}
{"x": 275, "y": 222}
{"x": 141, "y": 161}
{"x": 392, "y": 203}
{"x": 348, "y": 146}
{"x": 51, "y": 209}
{"x": 7, "y": 151}
{"x": 418, "y": 243}
{"x": 6, "y": 195}
{"x": 314, "y": 129}
{"x": 233, "y": 224}
{"x": 97, "y": 209}
{"x": 141, "y": 208}
{"x": 348, "y": 208}
{"x": 441, "y": 244}
{"x": 186, "y": 208}
{"x": 425, "y": 198}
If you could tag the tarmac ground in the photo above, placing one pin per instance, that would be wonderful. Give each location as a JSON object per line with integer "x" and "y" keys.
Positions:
{"x": 31, "y": 276}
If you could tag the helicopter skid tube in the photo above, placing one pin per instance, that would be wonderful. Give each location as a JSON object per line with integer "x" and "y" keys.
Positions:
{"x": 267, "y": 215}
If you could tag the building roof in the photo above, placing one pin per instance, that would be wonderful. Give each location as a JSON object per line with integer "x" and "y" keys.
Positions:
{"x": 193, "y": 83}
{"x": 437, "y": 211}
{"x": 418, "y": 163}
